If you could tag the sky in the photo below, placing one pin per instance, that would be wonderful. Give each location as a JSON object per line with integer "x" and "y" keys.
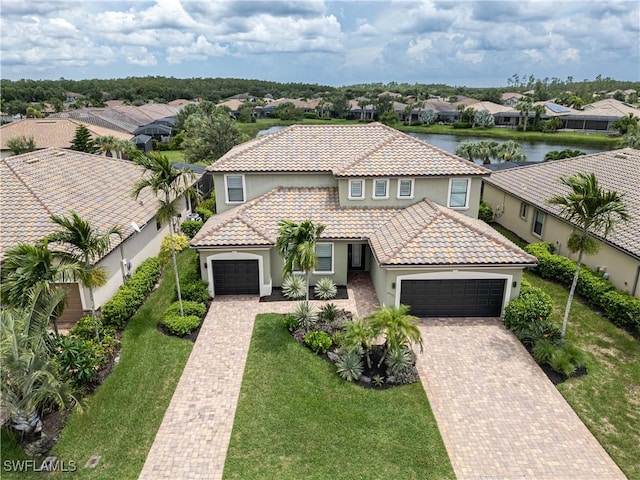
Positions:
{"x": 472, "y": 43}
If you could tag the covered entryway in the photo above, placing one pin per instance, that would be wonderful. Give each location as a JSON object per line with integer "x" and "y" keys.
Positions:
{"x": 235, "y": 277}
{"x": 477, "y": 297}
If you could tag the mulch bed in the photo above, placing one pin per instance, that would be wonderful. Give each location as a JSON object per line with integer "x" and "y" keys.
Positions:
{"x": 557, "y": 378}
{"x": 277, "y": 296}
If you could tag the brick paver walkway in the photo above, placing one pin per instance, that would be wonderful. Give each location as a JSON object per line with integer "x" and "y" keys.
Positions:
{"x": 193, "y": 438}
{"x": 499, "y": 415}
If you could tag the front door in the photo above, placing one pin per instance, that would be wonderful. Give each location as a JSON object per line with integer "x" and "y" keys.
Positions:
{"x": 356, "y": 256}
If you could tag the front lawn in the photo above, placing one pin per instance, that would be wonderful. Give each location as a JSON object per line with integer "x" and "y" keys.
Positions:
{"x": 607, "y": 399}
{"x": 297, "y": 419}
{"x": 125, "y": 412}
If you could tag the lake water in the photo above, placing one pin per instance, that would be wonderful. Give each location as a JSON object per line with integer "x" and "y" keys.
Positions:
{"x": 535, "y": 151}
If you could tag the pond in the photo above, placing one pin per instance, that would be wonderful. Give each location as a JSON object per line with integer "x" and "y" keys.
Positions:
{"x": 535, "y": 151}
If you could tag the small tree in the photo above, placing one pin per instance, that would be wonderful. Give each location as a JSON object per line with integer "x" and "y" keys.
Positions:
{"x": 483, "y": 119}
{"x": 208, "y": 136}
{"x": 398, "y": 327}
{"x": 21, "y": 144}
{"x": 510, "y": 151}
{"x": 592, "y": 210}
{"x": 82, "y": 141}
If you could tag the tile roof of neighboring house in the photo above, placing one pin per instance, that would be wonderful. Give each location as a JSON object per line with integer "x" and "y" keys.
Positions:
{"x": 607, "y": 108}
{"x": 422, "y": 234}
{"x": 438, "y": 106}
{"x": 492, "y": 107}
{"x": 52, "y": 132}
{"x": 617, "y": 170}
{"x": 297, "y": 102}
{"x": 49, "y": 182}
{"x": 345, "y": 150}
{"x": 233, "y": 104}
{"x": 507, "y": 95}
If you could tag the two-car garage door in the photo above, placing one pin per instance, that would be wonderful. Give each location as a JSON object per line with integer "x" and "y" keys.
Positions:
{"x": 235, "y": 277}
{"x": 453, "y": 298}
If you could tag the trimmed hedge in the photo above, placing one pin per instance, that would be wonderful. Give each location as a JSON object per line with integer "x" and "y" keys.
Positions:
{"x": 619, "y": 307}
{"x": 528, "y": 316}
{"x": 191, "y": 227}
{"x": 181, "y": 326}
{"x": 189, "y": 308}
{"x": 131, "y": 295}
{"x": 194, "y": 291}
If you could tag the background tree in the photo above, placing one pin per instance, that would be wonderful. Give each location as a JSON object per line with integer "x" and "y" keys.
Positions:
{"x": 631, "y": 139}
{"x": 82, "y": 245}
{"x": 510, "y": 151}
{"x": 560, "y": 154}
{"x": 209, "y": 137}
{"x": 592, "y": 210}
{"x": 428, "y": 117}
{"x": 296, "y": 243}
{"x": 162, "y": 178}
{"x": 33, "y": 112}
{"x": 288, "y": 111}
{"x": 538, "y": 111}
{"x": 466, "y": 149}
{"x": 83, "y": 141}
{"x": 524, "y": 106}
{"x": 483, "y": 119}
{"x": 21, "y": 144}
{"x": 110, "y": 145}
{"x": 626, "y": 123}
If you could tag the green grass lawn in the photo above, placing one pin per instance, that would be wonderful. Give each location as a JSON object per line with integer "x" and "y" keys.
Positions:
{"x": 125, "y": 412}
{"x": 176, "y": 156}
{"x": 607, "y": 399}
{"x": 297, "y": 419}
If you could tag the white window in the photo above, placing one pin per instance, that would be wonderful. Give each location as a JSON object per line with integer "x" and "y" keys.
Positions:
{"x": 234, "y": 188}
{"x": 356, "y": 189}
{"x": 324, "y": 251}
{"x": 538, "y": 223}
{"x": 459, "y": 193}
{"x": 405, "y": 188}
{"x": 381, "y": 188}
{"x": 524, "y": 209}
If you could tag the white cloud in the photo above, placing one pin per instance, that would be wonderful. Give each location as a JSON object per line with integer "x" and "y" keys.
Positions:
{"x": 139, "y": 56}
{"x": 199, "y": 50}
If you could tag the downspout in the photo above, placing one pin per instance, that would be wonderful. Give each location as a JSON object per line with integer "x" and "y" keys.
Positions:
{"x": 635, "y": 281}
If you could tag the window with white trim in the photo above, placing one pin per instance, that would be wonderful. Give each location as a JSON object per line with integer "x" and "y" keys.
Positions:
{"x": 405, "y": 188}
{"x": 524, "y": 209}
{"x": 459, "y": 193}
{"x": 538, "y": 223}
{"x": 234, "y": 188}
{"x": 324, "y": 251}
{"x": 381, "y": 188}
{"x": 356, "y": 189}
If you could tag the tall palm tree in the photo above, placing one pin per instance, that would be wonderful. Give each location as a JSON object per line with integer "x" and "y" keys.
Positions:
{"x": 82, "y": 245}
{"x": 524, "y": 106}
{"x": 27, "y": 267}
{"x": 592, "y": 210}
{"x": 398, "y": 327}
{"x": 162, "y": 178}
{"x": 30, "y": 374}
{"x": 110, "y": 145}
{"x": 296, "y": 242}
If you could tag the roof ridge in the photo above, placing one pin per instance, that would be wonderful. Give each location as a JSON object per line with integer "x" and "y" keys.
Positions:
{"x": 26, "y": 185}
{"x": 256, "y": 141}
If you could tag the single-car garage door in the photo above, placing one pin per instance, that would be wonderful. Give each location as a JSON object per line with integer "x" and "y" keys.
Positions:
{"x": 453, "y": 298}
{"x": 235, "y": 277}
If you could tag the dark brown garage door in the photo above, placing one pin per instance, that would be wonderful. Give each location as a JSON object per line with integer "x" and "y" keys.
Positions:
{"x": 235, "y": 277}
{"x": 453, "y": 298}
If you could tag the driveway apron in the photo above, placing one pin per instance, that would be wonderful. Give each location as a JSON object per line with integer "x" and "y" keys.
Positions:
{"x": 499, "y": 415}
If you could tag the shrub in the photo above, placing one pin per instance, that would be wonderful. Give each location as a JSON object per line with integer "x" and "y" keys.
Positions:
{"x": 180, "y": 326}
{"x": 209, "y": 203}
{"x": 328, "y": 312}
{"x": 306, "y": 316}
{"x": 188, "y": 307}
{"x": 131, "y": 295}
{"x": 566, "y": 359}
{"x": 291, "y": 323}
{"x": 325, "y": 289}
{"x": 191, "y": 227}
{"x": 593, "y": 287}
{"x": 86, "y": 328}
{"x": 398, "y": 360}
{"x": 462, "y": 125}
{"x": 294, "y": 287}
{"x": 528, "y": 316}
{"x": 485, "y": 213}
{"x": 204, "y": 213}
{"x": 543, "y": 351}
{"x": 622, "y": 309}
{"x": 180, "y": 242}
{"x": 79, "y": 359}
{"x": 196, "y": 291}
{"x": 350, "y": 365}
{"x": 319, "y": 342}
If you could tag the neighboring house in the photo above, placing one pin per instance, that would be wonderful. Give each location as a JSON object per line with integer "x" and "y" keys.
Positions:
{"x": 50, "y": 132}
{"x": 519, "y": 197}
{"x": 393, "y": 206}
{"x": 511, "y": 99}
{"x": 54, "y": 181}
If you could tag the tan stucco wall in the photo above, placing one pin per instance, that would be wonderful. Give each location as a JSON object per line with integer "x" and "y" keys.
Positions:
{"x": 340, "y": 265}
{"x": 259, "y": 184}
{"x": 621, "y": 267}
{"x": 435, "y": 189}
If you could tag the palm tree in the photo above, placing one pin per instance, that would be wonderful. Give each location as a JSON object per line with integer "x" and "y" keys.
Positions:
{"x": 161, "y": 177}
{"x": 82, "y": 245}
{"x": 485, "y": 150}
{"x": 592, "y": 210}
{"x": 538, "y": 110}
{"x": 26, "y": 267}
{"x": 466, "y": 149}
{"x": 510, "y": 151}
{"x": 362, "y": 104}
{"x": 398, "y": 327}
{"x": 524, "y": 106}
{"x": 30, "y": 374}
{"x": 296, "y": 242}
{"x": 110, "y": 145}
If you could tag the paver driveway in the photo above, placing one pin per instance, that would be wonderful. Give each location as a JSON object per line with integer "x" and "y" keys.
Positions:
{"x": 499, "y": 415}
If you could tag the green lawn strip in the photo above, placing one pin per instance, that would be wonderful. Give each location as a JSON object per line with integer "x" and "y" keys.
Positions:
{"x": 607, "y": 399}
{"x": 176, "y": 156}
{"x": 297, "y": 419}
{"x": 125, "y": 412}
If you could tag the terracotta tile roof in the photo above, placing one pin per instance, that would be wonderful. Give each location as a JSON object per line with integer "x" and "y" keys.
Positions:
{"x": 49, "y": 182}
{"x": 430, "y": 234}
{"x": 423, "y": 234}
{"x": 617, "y": 170}
{"x": 52, "y": 132}
{"x": 345, "y": 150}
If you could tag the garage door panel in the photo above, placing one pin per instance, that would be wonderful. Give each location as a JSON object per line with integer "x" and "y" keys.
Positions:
{"x": 453, "y": 298}
{"x": 235, "y": 277}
